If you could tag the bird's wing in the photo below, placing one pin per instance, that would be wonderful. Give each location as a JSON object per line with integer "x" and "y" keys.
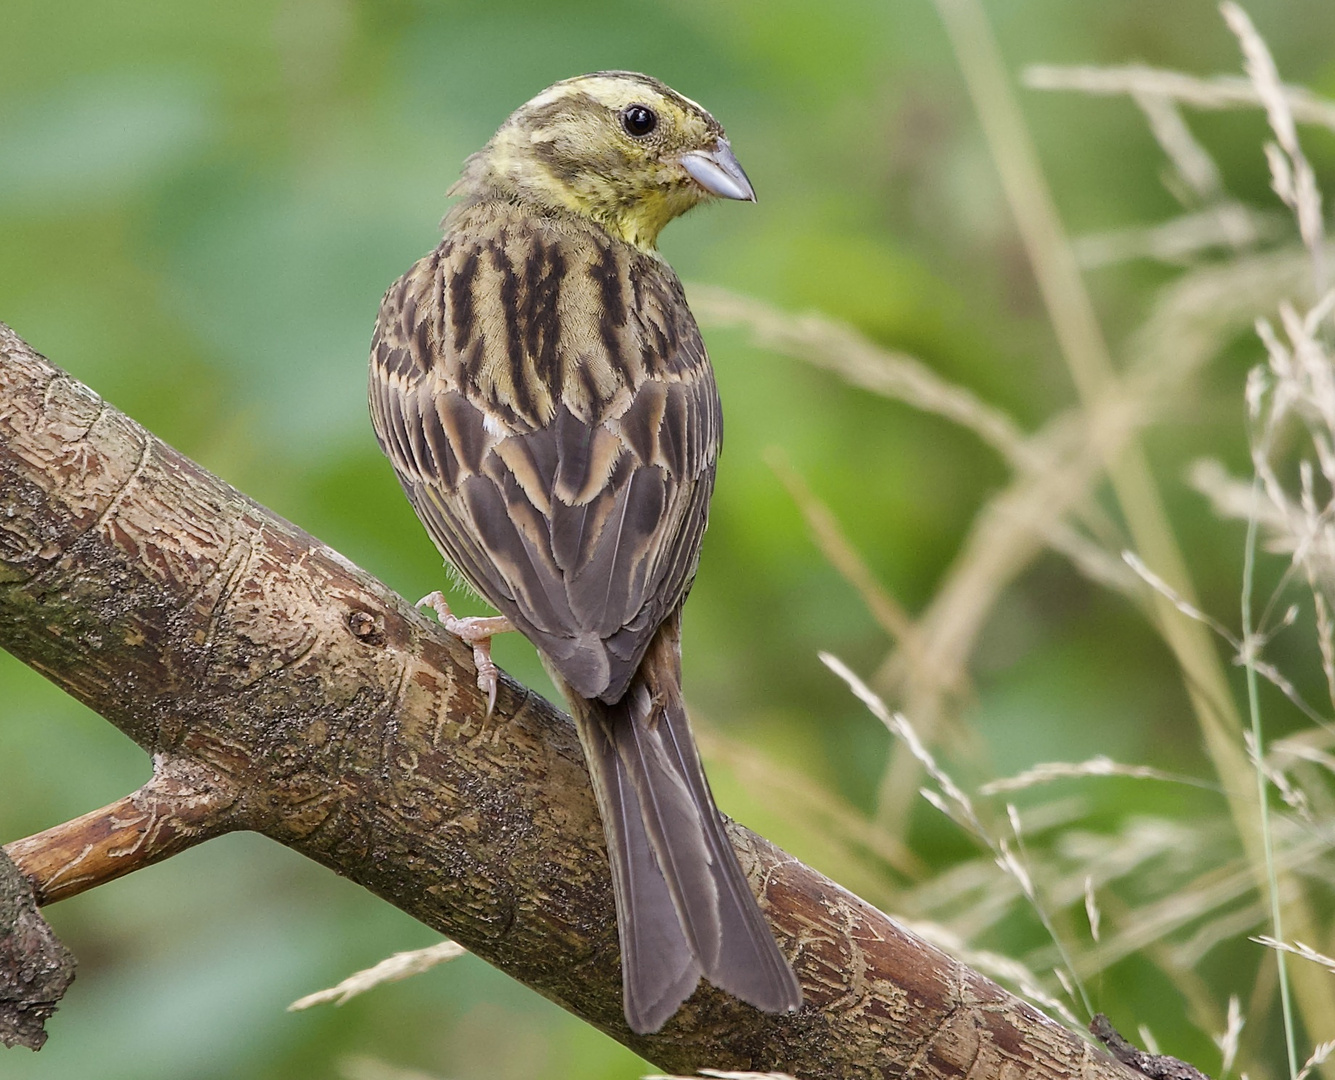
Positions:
{"x": 548, "y": 406}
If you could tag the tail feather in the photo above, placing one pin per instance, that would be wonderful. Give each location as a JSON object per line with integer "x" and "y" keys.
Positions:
{"x": 675, "y": 824}
{"x": 684, "y": 907}
{"x": 749, "y": 964}
{"x": 659, "y": 968}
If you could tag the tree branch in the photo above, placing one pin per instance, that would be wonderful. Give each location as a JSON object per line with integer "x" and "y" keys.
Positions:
{"x": 283, "y": 690}
{"x": 183, "y": 805}
{"x": 35, "y": 968}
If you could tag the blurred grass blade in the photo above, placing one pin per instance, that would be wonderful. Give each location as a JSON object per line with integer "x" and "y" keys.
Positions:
{"x": 399, "y": 966}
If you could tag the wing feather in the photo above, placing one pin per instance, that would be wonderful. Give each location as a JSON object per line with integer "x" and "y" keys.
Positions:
{"x": 563, "y": 465}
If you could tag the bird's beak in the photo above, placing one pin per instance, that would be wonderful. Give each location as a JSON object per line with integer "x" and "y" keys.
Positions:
{"x": 719, "y": 172}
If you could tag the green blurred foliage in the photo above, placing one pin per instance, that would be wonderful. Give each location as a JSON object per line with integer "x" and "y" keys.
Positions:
{"x": 201, "y": 205}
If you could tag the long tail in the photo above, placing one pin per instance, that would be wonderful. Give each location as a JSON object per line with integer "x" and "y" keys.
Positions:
{"x": 684, "y": 908}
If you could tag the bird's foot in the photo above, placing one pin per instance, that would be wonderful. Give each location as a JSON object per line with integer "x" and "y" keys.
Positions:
{"x": 478, "y": 633}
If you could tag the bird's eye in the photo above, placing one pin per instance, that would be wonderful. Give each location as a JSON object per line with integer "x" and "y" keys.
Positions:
{"x": 638, "y": 120}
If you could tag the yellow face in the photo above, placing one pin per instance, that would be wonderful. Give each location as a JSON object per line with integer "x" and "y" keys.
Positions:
{"x": 617, "y": 147}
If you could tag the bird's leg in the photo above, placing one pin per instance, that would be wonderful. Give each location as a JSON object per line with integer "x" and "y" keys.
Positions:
{"x": 478, "y": 633}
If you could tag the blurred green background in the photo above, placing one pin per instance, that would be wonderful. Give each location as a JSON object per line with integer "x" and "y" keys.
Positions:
{"x": 200, "y": 207}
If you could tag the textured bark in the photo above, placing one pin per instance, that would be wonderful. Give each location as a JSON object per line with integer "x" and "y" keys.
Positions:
{"x": 35, "y": 968}
{"x": 184, "y": 804}
{"x": 306, "y": 701}
{"x": 1155, "y": 1066}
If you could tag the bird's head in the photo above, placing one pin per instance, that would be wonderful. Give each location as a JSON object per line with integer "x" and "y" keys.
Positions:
{"x": 617, "y": 147}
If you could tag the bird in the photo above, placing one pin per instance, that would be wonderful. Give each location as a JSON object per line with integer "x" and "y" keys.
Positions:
{"x": 543, "y": 392}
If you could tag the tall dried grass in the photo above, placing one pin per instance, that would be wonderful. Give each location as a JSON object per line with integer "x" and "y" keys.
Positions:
{"x": 1169, "y": 892}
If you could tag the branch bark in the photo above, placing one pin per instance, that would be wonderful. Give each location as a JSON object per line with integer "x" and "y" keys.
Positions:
{"x": 35, "y": 967}
{"x": 282, "y": 689}
{"x": 183, "y": 805}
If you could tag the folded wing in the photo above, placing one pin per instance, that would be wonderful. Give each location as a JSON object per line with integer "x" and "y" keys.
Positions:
{"x": 549, "y": 409}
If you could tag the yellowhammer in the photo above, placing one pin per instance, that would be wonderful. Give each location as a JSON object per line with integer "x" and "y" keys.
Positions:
{"x": 544, "y": 395}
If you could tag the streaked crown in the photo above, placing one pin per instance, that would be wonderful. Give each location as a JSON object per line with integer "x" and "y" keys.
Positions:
{"x": 615, "y": 146}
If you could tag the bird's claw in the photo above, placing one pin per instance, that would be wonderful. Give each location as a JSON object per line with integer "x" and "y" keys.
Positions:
{"x": 478, "y": 633}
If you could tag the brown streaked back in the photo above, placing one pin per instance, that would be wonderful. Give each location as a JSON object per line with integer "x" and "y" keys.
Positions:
{"x": 545, "y": 397}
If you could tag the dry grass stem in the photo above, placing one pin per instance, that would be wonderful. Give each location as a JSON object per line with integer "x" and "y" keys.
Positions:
{"x": 1232, "y": 498}
{"x": 1047, "y": 772}
{"x": 718, "y": 1074}
{"x": 1227, "y": 1040}
{"x": 1295, "y": 798}
{"x": 1218, "y": 92}
{"x": 840, "y": 553}
{"x": 1005, "y": 538}
{"x": 1299, "y": 949}
{"x": 1319, "y": 1057}
{"x": 1299, "y": 748}
{"x": 1185, "y": 606}
{"x": 790, "y": 794}
{"x": 1291, "y": 173}
{"x": 1212, "y": 891}
{"x": 1246, "y": 652}
{"x": 834, "y": 346}
{"x": 1180, "y": 240}
{"x": 1216, "y": 931}
{"x": 952, "y": 801}
{"x": 399, "y": 966}
{"x": 955, "y": 803}
{"x": 361, "y": 1067}
{"x": 1195, "y": 170}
